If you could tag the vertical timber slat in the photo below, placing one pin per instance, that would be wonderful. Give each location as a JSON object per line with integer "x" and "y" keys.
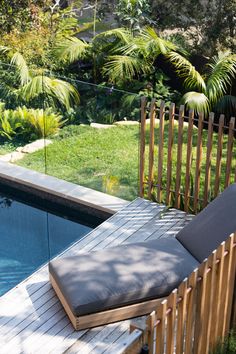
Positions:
{"x": 150, "y": 328}
{"x": 212, "y": 300}
{"x": 181, "y": 314}
{"x": 206, "y": 319}
{"x": 169, "y": 154}
{"x": 160, "y": 152}
{"x": 198, "y": 163}
{"x": 229, "y": 151}
{"x": 208, "y": 160}
{"x": 201, "y": 295}
{"x": 219, "y": 155}
{"x": 232, "y": 283}
{"x": 220, "y": 286}
{"x": 179, "y": 157}
{"x": 188, "y": 160}
{"x": 160, "y": 329}
{"x": 151, "y": 148}
{"x": 142, "y": 146}
{"x": 230, "y": 271}
{"x": 223, "y": 301}
{"x": 192, "y": 283}
{"x": 170, "y": 329}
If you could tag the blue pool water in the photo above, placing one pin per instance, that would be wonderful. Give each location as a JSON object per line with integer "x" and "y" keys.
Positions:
{"x": 24, "y": 245}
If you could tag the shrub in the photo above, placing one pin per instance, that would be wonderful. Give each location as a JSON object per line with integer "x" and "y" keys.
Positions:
{"x": 227, "y": 347}
{"x": 41, "y": 122}
{"x": 28, "y": 124}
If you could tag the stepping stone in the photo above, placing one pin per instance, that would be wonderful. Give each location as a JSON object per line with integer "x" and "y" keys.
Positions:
{"x": 12, "y": 156}
{"x": 157, "y": 121}
{"x": 101, "y": 126}
{"x": 35, "y": 145}
{"x": 127, "y": 122}
{"x": 27, "y": 149}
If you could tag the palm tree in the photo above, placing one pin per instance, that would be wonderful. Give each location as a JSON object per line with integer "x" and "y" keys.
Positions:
{"x": 207, "y": 91}
{"x": 34, "y": 83}
{"x": 136, "y": 56}
{"x": 121, "y": 54}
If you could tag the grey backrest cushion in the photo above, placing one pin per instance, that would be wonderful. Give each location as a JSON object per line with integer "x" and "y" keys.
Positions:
{"x": 211, "y": 226}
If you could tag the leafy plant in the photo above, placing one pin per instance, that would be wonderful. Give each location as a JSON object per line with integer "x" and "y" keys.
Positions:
{"x": 206, "y": 91}
{"x": 34, "y": 84}
{"x": 29, "y": 124}
{"x": 227, "y": 347}
{"x": 9, "y": 123}
{"x": 42, "y": 122}
{"x": 133, "y": 14}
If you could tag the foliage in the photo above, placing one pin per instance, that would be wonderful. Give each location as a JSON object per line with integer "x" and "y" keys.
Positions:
{"x": 208, "y": 25}
{"x": 227, "y": 347}
{"x": 121, "y": 55}
{"x": 136, "y": 56}
{"x": 34, "y": 44}
{"x": 133, "y": 14}
{"x": 51, "y": 21}
{"x": 28, "y": 124}
{"x": 60, "y": 91}
{"x": 211, "y": 86}
{"x": 16, "y": 14}
{"x": 33, "y": 84}
{"x": 157, "y": 88}
{"x": 104, "y": 105}
{"x": 43, "y": 123}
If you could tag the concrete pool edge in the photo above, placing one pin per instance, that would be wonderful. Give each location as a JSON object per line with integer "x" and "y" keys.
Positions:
{"x": 52, "y": 188}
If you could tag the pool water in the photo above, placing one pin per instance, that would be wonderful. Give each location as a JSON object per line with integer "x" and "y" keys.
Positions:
{"x": 29, "y": 237}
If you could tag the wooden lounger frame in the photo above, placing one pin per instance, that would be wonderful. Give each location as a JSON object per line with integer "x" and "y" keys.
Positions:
{"x": 105, "y": 317}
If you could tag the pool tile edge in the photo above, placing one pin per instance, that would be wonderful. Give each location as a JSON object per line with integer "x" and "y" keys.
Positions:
{"x": 59, "y": 188}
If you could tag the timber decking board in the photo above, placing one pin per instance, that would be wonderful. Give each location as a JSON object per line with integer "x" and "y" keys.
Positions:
{"x": 32, "y": 319}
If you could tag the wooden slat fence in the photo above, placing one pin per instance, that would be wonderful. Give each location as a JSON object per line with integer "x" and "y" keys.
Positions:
{"x": 185, "y": 160}
{"x": 198, "y": 315}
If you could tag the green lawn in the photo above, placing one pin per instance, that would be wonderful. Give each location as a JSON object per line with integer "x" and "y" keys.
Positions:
{"x": 105, "y": 160}
{"x": 108, "y": 159}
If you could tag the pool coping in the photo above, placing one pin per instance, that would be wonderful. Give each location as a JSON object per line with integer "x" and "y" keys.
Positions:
{"x": 58, "y": 190}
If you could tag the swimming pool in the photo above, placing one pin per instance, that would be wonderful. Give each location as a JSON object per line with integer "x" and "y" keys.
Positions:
{"x": 29, "y": 236}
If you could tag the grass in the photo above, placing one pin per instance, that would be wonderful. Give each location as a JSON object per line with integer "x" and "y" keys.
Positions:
{"x": 105, "y": 160}
{"x": 8, "y": 147}
{"x": 193, "y": 166}
{"x": 108, "y": 159}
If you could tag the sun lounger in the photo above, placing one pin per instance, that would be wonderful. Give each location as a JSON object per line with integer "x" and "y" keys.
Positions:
{"x": 130, "y": 280}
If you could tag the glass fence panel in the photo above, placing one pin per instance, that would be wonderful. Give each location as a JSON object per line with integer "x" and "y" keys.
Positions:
{"x": 23, "y": 223}
{"x": 97, "y": 145}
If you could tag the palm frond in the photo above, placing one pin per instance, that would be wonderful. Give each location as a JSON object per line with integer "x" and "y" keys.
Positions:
{"x": 196, "y": 101}
{"x": 129, "y": 100}
{"x": 22, "y": 67}
{"x": 4, "y": 49}
{"x": 124, "y": 67}
{"x": 61, "y": 91}
{"x": 155, "y": 44}
{"x": 193, "y": 79}
{"x": 222, "y": 72}
{"x": 121, "y": 33}
{"x": 226, "y": 105}
{"x": 71, "y": 49}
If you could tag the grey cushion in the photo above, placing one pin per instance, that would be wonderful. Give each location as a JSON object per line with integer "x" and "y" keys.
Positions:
{"x": 122, "y": 275}
{"x": 212, "y": 226}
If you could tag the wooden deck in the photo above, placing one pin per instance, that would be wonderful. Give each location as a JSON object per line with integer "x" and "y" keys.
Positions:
{"x": 33, "y": 321}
